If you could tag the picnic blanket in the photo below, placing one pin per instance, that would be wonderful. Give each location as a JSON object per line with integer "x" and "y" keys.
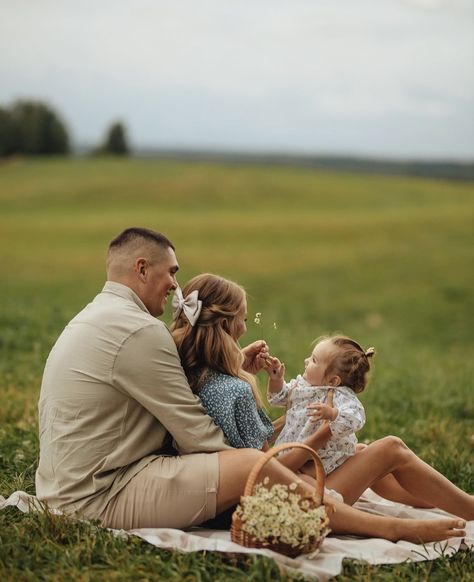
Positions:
{"x": 323, "y": 565}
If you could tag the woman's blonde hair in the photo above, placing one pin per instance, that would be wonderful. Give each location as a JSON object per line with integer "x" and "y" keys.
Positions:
{"x": 211, "y": 344}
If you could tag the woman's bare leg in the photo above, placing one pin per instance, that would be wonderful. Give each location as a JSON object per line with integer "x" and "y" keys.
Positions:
{"x": 235, "y": 465}
{"x": 234, "y": 468}
{"x": 349, "y": 520}
{"x": 389, "y": 488}
{"x": 391, "y": 455}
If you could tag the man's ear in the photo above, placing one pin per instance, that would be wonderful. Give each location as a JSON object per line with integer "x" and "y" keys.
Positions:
{"x": 141, "y": 267}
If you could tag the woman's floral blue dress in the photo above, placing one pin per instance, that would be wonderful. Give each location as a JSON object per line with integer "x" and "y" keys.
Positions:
{"x": 230, "y": 403}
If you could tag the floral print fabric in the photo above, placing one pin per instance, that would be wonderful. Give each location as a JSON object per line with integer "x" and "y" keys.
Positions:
{"x": 230, "y": 403}
{"x": 297, "y": 394}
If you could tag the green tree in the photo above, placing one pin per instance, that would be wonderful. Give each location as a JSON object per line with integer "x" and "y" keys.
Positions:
{"x": 116, "y": 141}
{"x": 32, "y": 128}
{"x": 7, "y": 133}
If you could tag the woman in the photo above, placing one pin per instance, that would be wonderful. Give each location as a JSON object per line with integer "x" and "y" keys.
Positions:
{"x": 210, "y": 317}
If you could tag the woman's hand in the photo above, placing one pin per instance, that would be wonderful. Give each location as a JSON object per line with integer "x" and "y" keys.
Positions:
{"x": 255, "y": 355}
{"x": 321, "y": 412}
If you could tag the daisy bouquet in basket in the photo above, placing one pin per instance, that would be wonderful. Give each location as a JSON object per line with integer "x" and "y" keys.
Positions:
{"x": 278, "y": 517}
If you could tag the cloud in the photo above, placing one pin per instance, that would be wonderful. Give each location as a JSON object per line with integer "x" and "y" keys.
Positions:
{"x": 186, "y": 70}
{"x": 451, "y": 5}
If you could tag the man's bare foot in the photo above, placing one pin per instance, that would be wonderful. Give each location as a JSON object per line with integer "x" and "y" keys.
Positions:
{"x": 429, "y": 530}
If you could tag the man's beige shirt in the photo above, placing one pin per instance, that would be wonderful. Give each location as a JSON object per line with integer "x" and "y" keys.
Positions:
{"x": 113, "y": 392}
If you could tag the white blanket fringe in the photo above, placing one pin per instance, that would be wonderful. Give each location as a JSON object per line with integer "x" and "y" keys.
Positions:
{"x": 323, "y": 565}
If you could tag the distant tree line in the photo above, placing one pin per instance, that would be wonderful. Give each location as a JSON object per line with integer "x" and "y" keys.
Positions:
{"x": 33, "y": 128}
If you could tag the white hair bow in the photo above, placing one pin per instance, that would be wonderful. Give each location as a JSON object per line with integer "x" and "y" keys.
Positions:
{"x": 191, "y": 306}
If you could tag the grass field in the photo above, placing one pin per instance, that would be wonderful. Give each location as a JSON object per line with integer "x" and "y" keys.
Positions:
{"x": 387, "y": 260}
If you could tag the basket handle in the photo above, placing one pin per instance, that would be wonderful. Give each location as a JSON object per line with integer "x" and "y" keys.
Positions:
{"x": 320, "y": 475}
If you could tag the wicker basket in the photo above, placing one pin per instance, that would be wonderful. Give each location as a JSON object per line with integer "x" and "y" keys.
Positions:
{"x": 243, "y": 538}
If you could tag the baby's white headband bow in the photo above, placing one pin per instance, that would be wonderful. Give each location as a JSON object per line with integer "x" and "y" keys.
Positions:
{"x": 191, "y": 306}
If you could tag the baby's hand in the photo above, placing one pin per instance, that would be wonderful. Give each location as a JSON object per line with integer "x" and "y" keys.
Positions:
{"x": 321, "y": 412}
{"x": 274, "y": 368}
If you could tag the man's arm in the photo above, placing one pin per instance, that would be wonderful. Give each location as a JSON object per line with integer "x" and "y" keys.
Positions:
{"x": 346, "y": 418}
{"x": 296, "y": 458}
{"x": 148, "y": 369}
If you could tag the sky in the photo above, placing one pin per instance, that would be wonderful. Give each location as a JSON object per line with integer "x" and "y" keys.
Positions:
{"x": 378, "y": 78}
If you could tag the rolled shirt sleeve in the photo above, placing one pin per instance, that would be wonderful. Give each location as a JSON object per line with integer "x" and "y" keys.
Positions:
{"x": 148, "y": 368}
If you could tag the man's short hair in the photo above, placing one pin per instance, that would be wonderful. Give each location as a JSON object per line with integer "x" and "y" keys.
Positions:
{"x": 134, "y": 233}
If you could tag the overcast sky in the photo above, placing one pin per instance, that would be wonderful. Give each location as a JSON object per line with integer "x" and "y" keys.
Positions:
{"x": 366, "y": 77}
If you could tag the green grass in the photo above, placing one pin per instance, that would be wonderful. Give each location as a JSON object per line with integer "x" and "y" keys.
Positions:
{"x": 387, "y": 260}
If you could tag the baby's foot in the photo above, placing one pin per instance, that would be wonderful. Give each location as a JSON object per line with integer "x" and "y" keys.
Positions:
{"x": 430, "y": 530}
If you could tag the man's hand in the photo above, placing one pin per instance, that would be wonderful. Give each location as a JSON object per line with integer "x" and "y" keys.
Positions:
{"x": 274, "y": 368}
{"x": 255, "y": 355}
{"x": 321, "y": 412}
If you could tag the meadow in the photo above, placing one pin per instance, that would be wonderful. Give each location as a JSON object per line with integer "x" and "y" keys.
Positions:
{"x": 385, "y": 259}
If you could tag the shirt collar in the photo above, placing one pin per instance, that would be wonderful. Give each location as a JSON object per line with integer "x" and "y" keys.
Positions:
{"x": 125, "y": 292}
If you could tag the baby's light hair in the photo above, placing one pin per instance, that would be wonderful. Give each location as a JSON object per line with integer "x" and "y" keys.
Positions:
{"x": 350, "y": 362}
